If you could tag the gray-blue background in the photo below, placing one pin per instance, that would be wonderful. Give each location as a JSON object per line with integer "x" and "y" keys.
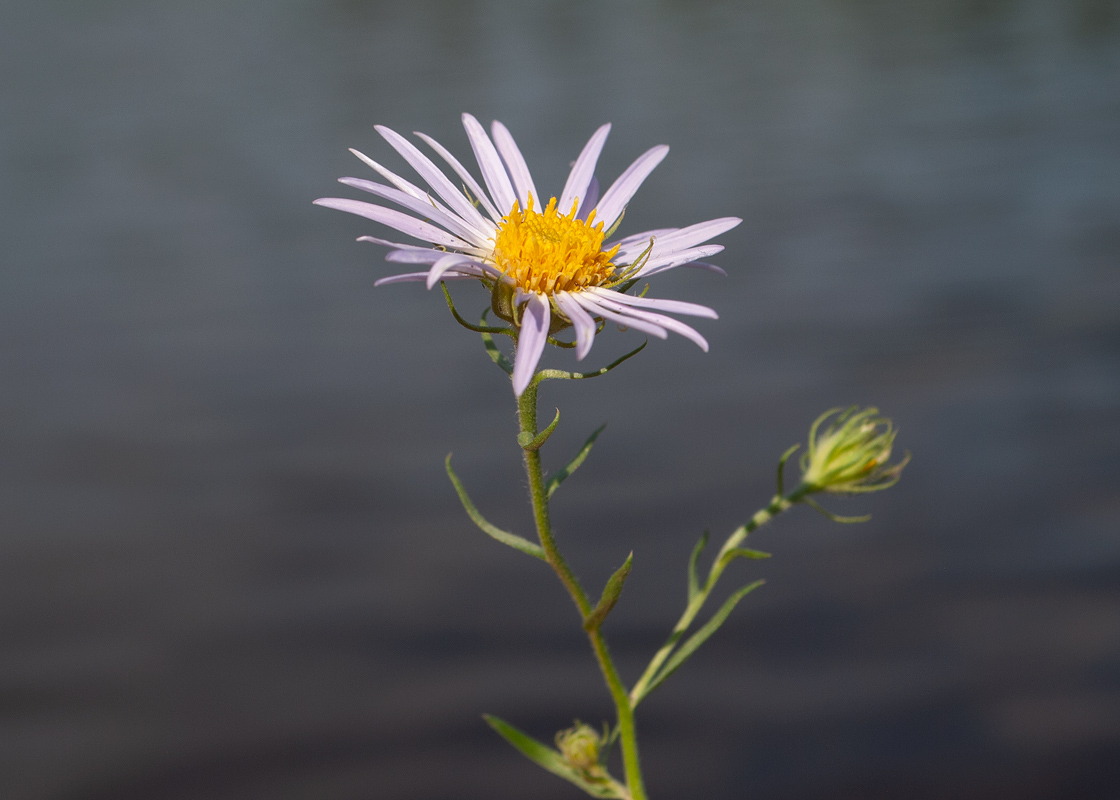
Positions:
{"x": 231, "y": 566}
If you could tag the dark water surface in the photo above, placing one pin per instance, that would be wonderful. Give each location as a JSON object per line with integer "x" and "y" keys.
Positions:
{"x": 231, "y": 566}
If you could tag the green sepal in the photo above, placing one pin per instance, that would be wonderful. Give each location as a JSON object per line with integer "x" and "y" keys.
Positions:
{"x": 546, "y": 374}
{"x": 464, "y": 323}
{"x": 611, "y": 592}
{"x": 740, "y": 552}
{"x": 608, "y": 234}
{"x": 629, "y": 275}
{"x": 698, "y": 638}
{"x": 782, "y": 466}
{"x": 551, "y": 760}
{"x": 693, "y": 580}
{"x": 505, "y": 537}
{"x": 557, "y": 479}
{"x": 824, "y": 512}
{"x": 501, "y": 302}
{"x": 496, "y": 355}
{"x": 530, "y": 442}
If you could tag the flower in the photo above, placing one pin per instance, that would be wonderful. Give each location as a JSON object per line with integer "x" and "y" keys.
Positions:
{"x": 548, "y": 256}
{"x": 852, "y": 455}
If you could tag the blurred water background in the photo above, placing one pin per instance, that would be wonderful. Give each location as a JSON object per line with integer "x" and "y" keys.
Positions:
{"x": 231, "y": 566}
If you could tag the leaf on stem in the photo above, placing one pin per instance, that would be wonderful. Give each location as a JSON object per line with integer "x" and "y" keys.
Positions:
{"x": 740, "y": 552}
{"x": 492, "y": 350}
{"x": 698, "y": 638}
{"x": 693, "y": 581}
{"x": 506, "y": 538}
{"x": 551, "y": 760}
{"x": 611, "y": 592}
{"x": 782, "y": 466}
{"x": 530, "y": 442}
{"x": 557, "y": 479}
{"x": 824, "y": 512}
{"x": 546, "y": 374}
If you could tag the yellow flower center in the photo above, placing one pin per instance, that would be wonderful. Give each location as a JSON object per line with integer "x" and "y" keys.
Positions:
{"x": 545, "y": 252}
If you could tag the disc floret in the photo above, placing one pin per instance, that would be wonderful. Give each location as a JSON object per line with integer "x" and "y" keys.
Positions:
{"x": 546, "y": 252}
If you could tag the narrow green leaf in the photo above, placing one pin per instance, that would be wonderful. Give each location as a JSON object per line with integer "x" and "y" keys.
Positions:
{"x": 530, "y": 442}
{"x": 740, "y": 552}
{"x": 698, "y": 638}
{"x": 551, "y": 760}
{"x": 506, "y": 538}
{"x": 492, "y": 350}
{"x": 611, "y": 592}
{"x": 782, "y": 466}
{"x": 824, "y": 512}
{"x": 693, "y": 581}
{"x": 557, "y": 479}
{"x": 546, "y": 374}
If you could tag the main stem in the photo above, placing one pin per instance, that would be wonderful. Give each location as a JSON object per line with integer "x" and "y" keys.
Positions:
{"x": 527, "y": 415}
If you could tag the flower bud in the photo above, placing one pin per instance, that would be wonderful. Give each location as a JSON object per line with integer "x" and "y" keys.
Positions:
{"x": 851, "y": 455}
{"x": 580, "y": 747}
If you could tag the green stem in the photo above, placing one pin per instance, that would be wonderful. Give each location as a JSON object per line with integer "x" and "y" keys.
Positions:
{"x": 778, "y": 504}
{"x": 527, "y": 415}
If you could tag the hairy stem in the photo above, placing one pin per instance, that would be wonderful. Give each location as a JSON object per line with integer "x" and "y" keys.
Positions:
{"x": 527, "y": 415}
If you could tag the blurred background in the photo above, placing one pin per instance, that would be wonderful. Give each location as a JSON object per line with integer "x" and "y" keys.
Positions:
{"x": 231, "y": 565}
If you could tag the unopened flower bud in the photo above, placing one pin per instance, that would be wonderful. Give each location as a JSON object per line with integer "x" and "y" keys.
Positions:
{"x": 852, "y": 454}
{"x": 580, "y": 747}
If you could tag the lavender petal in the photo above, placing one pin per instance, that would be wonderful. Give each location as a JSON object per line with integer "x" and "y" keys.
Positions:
{"x": 425, "y": 208}
{"x": 582, "y": 322}
{"x": 414, "y": 256}
{"x": 601, "y": 310}
{"x": 387, "y": 243}
{"x": 515, "y": 163}
{"x": 616, "y": 197}
{"x": 530, "y": 345}
{"x": 405, "y": 186}
{"x": 588, "y": 203}
{"x": 674, "y": 242}
{"x": 462, "y": 172}
{"x": 583, "y": 170}
{"x": 676, "y": 326}
{"x": 443, "y": 264}
{"x": 406, "y": 277}
{"x": 493, "y": 171}
{"x": 655, "y": 265}
{"x": 394, "y": 219}
{"x": 434, "y": 177}
{"x": 655, "y": 303}
{"x": 627, "y": 244}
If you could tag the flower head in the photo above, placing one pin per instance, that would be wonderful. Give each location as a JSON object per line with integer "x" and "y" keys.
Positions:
{"x": 852, "y": 455}
{"x": 550, "y": 256}
{"x": 579, "y": 746}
